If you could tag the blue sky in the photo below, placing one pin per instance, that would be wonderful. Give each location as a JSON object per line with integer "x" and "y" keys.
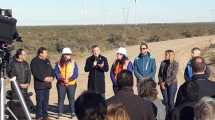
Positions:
{"x": 73, "y": 12}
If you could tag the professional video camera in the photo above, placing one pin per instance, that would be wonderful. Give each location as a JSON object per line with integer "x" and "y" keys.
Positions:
{"x": 8, "y": 31}
{"x": 8, "y": 34}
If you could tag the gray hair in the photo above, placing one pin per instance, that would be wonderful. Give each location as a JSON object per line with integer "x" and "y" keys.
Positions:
{"x": 205, "y": 109}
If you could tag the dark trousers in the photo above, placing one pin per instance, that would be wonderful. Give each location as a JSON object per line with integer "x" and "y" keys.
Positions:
{"x": 93, "y": 89}
{"x": 62, "y": 91}
{"x": 169, "y": 96}
{"x": 42, "y": 100}
{"x": 115, "y": 89}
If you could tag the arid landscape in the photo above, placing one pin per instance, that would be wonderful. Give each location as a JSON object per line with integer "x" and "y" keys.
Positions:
{"x": 81, "y": 38}
{"x": 71, "y": 30}
{"x": 179, "y": 37}
{"x": 181, "y": 46}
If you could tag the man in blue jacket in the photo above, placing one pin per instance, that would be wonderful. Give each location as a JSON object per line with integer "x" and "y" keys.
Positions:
{"x": 144, "y": 66}
{"x": 188, "y": 73}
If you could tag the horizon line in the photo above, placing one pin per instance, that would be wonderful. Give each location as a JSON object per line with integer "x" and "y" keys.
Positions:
{"x": 116, "y": 24}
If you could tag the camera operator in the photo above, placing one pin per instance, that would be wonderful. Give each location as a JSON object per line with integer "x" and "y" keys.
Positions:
{"x": 21, "y": 70}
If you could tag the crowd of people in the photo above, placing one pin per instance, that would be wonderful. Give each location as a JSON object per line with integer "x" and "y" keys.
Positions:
{"x": 194, "y": 100}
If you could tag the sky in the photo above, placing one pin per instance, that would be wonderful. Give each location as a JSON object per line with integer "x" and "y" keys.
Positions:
{"x": 85, "y": 12}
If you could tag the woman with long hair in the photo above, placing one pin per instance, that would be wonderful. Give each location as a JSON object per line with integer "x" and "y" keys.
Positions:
{"x": 121, "y": 63}
{"x": 66, "y": 72}
{"x": 168, "y": 79}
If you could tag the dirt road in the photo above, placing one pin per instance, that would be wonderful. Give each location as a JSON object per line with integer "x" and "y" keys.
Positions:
{"x": 181, "y": 46}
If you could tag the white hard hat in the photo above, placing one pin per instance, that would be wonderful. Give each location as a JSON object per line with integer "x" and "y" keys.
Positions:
{"x": 122, "y": 50}
{"x": 66, "y": 51}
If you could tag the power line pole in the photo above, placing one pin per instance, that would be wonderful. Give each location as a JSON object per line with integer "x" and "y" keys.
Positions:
{"x": 135, "y": 12}
{"x": 212, "y": 12}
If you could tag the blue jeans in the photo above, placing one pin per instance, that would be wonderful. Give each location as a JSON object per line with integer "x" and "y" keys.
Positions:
{"x": 62, "y": 91}
{"x": 42, "y": 100}
{"x": 169, "y": 96}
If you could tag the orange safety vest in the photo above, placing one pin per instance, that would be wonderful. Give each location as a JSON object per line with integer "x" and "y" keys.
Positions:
{"x": 66, "y": 71}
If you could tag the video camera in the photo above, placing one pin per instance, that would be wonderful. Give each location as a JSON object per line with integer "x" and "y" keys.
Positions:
{"x": 8, "y": 31}
{"x": 8, "y": 34}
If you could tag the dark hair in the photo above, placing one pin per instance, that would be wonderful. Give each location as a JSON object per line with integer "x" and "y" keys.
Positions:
{"x": 94, "y": 46}
{"x": 192, "y": 91}
{"x": 90, "y": 106}
{"x": 125, "y": 79}
{"x": 169, "y": 51}
{"x": 194, "y": 49}
{"x": 148, "y": 89}
{"x": 41, "y": 50}
{"x": 198, "y": 64}
{"x": 123, "y": 60}
{"x": 18, "y": 53}
{"x": 144, "y": 44}
{"x": 63, "y": 60}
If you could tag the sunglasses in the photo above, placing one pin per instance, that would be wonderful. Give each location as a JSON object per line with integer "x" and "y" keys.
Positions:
{"x": 119, "y": 54}
{"x": 143, "y": 48}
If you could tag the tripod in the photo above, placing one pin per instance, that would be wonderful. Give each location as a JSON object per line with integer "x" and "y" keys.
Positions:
{"x": 3, "y": 97}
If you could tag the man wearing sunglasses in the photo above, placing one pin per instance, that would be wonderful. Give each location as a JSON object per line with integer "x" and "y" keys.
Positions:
{"x": 144, "y": 66}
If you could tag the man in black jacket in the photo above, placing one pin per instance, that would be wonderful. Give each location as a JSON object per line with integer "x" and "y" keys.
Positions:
{"x": 43, "y": 76}
{"x": 20, "y": 69}
{"x": 192, "y": 91}
{"x": 137, "y": 108}
{"x": 199, "y": 80}
{"x": 96, "y": 65}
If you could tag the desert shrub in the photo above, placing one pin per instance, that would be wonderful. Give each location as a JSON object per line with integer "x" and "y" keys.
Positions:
{"x": 211, "y": 31}
{"x": 154, "y": 38}
{"x": 212, "y": 45}
{"x": 81, "y": 38}
{"x": 115, "y": 40}
{"x": 198, "y": 32}
{"x": 186, "y": 34}
{"x": 131, "y": 41}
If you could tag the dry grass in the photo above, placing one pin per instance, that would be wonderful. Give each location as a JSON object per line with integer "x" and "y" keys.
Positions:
{"x": 81, "y": 38}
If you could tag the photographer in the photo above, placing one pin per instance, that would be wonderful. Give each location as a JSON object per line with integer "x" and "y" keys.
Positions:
{"x": 20, "y": 69}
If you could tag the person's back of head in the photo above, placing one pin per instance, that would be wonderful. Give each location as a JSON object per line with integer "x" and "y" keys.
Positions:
{"x": 198, "y": 65}
{"x": 90, "y": 106}
{"x": 117, "y": 112}
{"x": 192, "y": 91}
{"x": 205, "y": 109}
{"x": 125, "y": 79}
{"x": 148, "y": 89}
